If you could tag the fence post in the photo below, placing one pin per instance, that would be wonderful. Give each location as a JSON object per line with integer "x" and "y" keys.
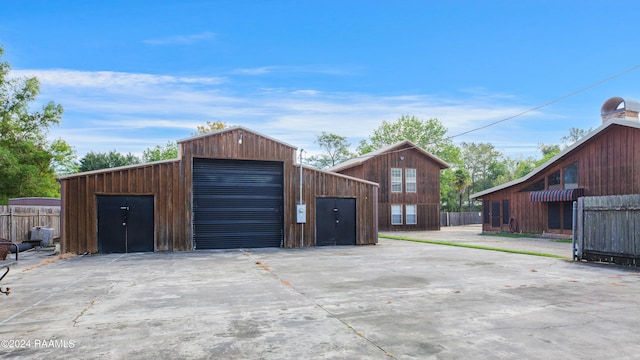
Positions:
{"x": 10, "y": 223}
{"x": 580, "y": 228}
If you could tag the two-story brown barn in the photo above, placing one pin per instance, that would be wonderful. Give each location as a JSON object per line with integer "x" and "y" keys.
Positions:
{"x": 604, "y": 162}
{"x": 234, "y": 188}
{"x": 409, "y": 179}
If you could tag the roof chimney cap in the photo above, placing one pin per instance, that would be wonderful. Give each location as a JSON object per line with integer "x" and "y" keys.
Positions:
{"x": 619, "y": 108}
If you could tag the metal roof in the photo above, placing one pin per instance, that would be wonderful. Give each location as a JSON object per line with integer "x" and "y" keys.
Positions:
{"x": 362, "y": 159}
{"x": 539, "y": 169}
{"x": 235, "y": 128}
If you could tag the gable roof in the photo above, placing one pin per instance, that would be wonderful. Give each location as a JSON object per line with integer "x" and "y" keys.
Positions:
{"x": 563, "y": 153}
{"x": 232, "y": 128}
{"x": 382, "y": 151}
{"x": 134, "y": 166}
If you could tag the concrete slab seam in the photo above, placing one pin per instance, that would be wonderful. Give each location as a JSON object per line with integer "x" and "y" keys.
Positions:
{"x": 318, "y": 305}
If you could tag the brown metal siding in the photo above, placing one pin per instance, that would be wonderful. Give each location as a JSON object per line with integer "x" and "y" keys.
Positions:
{"x": 318, "y": 184}
{"x": 608, "y": 164}
{"x": 171, "y": 182}
{"x": 79, "y": 223}
{"x": 427, "y": 197}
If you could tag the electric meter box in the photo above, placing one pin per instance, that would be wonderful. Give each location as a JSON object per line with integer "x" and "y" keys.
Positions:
{"x": 301, "y": 213}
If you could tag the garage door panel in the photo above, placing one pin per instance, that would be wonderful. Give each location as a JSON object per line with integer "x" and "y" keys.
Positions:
{"x": 237, "y": 204}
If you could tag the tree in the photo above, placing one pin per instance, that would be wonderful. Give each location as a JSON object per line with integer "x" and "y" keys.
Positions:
{"x": 511, "y": 169}
{"x": 64, "y": 157}
{"x": 27, "y": 160}
{"x": 336, "y": 150}
{"x": 96, "y": 161}
{"x": 460, "y": 184}
{"x": 483, "y": 162}
{"x": 575, "y": 134}
{"x": 548, "y": 151}
{"x": 167, "y": 152}
{"x": 211, "y": 126}
{"x": 429, "y": 135}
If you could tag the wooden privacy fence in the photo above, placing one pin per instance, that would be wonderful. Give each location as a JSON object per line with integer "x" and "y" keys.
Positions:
{"x": 608, "y": 229}
{"x": 460, "y": 218}
{"x": 17, "y": 221}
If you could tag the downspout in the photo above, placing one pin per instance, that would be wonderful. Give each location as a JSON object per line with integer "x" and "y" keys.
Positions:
{"x": 300, "y": 201}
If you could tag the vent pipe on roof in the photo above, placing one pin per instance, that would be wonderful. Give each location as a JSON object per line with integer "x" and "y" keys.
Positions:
{"x": 619, "y": 108}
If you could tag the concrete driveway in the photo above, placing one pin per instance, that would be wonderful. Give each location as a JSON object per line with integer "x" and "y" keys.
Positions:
{"x": 394, "y": 300}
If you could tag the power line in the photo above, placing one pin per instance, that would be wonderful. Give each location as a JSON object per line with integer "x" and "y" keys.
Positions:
{"x": 526, "y": 111}
{"x": 550, "y": 102}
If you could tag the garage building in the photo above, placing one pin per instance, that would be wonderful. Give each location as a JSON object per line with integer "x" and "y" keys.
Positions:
{"x": 234, "y": 188}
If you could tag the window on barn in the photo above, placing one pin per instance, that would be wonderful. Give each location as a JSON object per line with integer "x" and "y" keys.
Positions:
{"x": 485, "y": 212}
{"x": 553, "y": 216}
{"x": 396, "y": 180}
{"x": 411, "y": 218}
{"x": 536, "y": 186}
{"x": 570, "y": 175}
{"x": 495, "y": 214}
{"x": 505, "y": 212}
{"x": 410, "y": 178}
{"x": 396, "y": 214}
{"x": 554, "y": 181}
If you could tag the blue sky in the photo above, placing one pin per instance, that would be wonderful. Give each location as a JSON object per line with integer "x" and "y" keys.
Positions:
{"x": 135, "y": 74}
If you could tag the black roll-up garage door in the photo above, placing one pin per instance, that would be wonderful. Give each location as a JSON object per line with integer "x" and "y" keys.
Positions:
{"x": 237, "y": 204}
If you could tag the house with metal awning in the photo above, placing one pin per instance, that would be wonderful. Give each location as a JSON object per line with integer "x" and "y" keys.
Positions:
{"x": 604, "y": 162}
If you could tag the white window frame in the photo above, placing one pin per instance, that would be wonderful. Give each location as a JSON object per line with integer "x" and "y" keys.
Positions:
{"x": 411, "y": 182}
{"x": 396, "y": 214}
{"x": 413, "y": 213}
{"x": 396, "y": 180}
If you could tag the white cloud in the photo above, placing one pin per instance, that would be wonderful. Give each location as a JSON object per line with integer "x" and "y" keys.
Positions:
{"x": 181, "y": 39}
{"x": 130, "y": 112}
{"x": 254, "y": 71}
{"x": 110, "y": 79}
{"x": 308, "y": 69}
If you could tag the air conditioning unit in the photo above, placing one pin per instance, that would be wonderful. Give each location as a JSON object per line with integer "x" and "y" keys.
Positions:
{"x": 44, "y": 234}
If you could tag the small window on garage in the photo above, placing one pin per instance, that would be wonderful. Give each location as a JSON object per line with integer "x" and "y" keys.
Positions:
{"x": 411, "y": 218}
{"x": 410, "y": 178}
{"x": 396, "y": 180}
{"x": 396, "y": 214}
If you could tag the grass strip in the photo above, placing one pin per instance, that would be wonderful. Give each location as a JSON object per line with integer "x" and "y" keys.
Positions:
{"x": 510, "y": 235}
{"x": 474, "y": 247}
